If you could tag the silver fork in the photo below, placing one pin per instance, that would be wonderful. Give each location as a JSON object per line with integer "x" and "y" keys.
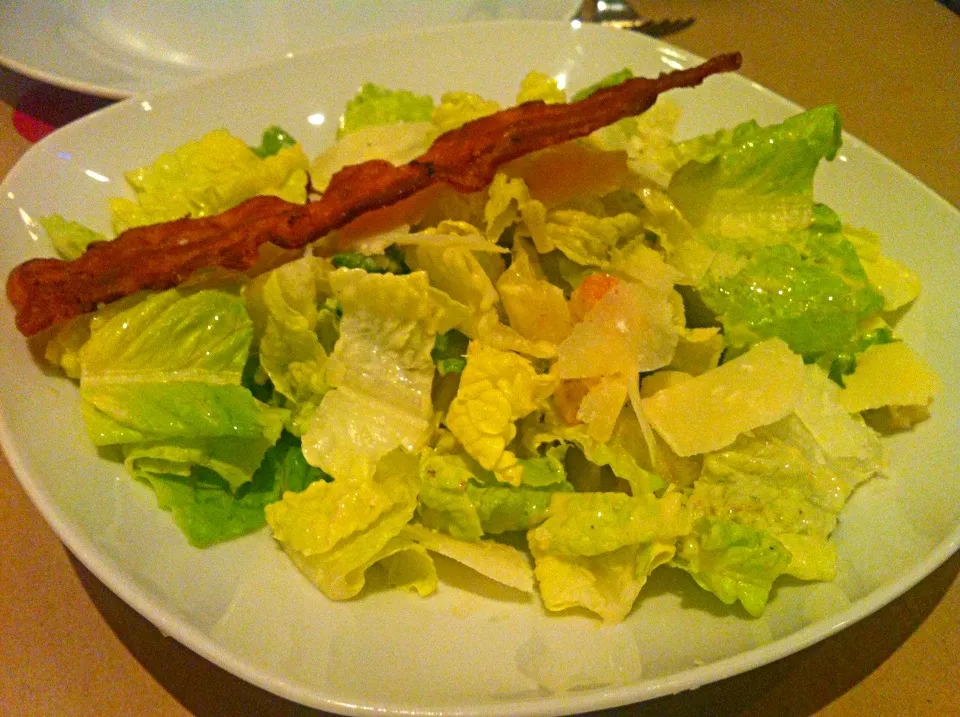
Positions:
{"x": 618, "y": 14}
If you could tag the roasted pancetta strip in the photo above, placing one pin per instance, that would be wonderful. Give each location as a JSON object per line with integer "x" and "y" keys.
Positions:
{"x": 46, "y": 291}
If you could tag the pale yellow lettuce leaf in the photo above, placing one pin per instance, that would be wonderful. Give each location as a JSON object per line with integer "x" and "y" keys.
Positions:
{"x": 208, "y": 176}
{"x": 536, "y": 309}
{"x": 380, "y": 371}
{"x": 538, "y": 86}
{"x": 496, "y": 388}
{"x": 335, "y": 531}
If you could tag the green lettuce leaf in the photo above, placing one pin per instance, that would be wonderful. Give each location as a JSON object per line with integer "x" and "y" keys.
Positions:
{"x": 274, "y": 139}
{"x": 170, "y": 367}
{"x": 449, "y": 352}
{"x": 70, "y": 239}
{"x": 595, "y": 550}
{"x": 733, "y": 561}
{"x": 624, "y": 453}
{"x": 611, "y": 80}
{"x": 807, "y": 288}
{"x": 460, "y": 497}
{"x": 202, "y": 503}
{"x": 374, "y": 105}
{"x": 295, "y": 323}
{"x": 590, "y": 524}
{"x": 771, "y": 500}
{"x": 752, "y": 180}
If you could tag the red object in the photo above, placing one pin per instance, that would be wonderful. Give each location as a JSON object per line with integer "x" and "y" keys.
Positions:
{"x": 43, "y": 108}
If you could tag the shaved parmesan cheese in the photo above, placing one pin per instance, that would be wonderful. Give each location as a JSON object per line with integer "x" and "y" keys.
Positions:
{"x": 497, "y": 561}
{"x": 708, "y": 412}
{"x": 889, "y": 375}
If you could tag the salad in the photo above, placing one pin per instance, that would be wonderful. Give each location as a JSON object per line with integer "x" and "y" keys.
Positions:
{"x": 627, "y": 353}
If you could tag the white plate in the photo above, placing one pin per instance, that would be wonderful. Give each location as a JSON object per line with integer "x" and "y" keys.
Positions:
{"x": 121, "y": 48}
{"x": 245, "y": 607}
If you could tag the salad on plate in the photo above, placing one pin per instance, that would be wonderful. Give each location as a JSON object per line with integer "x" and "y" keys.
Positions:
{"x": 626, "y": 353}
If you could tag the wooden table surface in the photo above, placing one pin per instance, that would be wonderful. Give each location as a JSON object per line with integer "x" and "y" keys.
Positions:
{"x": 68, "y": 646}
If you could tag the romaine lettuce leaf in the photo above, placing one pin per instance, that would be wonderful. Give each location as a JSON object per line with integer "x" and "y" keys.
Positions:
{"x": 273, "y": 140}
{"x": 733, "y": 561}
{"x": 289, "y": 303}
{"x": 647, "y": 140}
{"x": 596, "y": 550}
{"x": 335, "y": 531}
{"x": 536, "y": 308}
{"x": 752, "y": 180}
{"x": 169, "y": 367}
{"x": 611, "y": 80}
{"x": 771, "y": 499}
{"x": 208, "y": 176}
{"x": 380, "y": 372}
{"x": 624, "y": 452}
{"x": 374, "y": 105}
{"x": 70, "y": 239}
{"x": 203, "y": 504}
{"x": 588, "y": 524}
{"x": 538, "y": 86}
{"x": 463, "y": 499}
{"x": 809, "y": 290}
{"x": 496, "y": 388}
{"x": 458, "y": 108}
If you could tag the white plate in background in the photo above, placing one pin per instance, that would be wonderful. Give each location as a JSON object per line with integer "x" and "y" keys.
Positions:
{"x": 118, "y": 48}
{"x": 470, "y": 648}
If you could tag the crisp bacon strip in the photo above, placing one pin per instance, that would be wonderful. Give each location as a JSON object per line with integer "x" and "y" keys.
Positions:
{"x": 46, "y": 292}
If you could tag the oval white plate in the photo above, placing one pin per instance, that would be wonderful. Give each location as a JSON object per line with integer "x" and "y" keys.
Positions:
{"x": 118, "y": 49}
{"x": 470, "y": 648}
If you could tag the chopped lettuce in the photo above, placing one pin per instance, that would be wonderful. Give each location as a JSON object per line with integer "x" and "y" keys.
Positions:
{"x": 809, "y": 290}
{"x": 611, "y": 80}
{"x": 733, "y": 561}
{"x": 273, "y": 140}
{"x": 595, "y": 550}
{"x": 460, "y": 497}
{"x": 496, "y": 389}
{"x": 296, "y": 329}
{"x": 374, "y": 105}
{"x": 538, "y": 86}
{"x": 334, "y": 531}
{"x": 458, "y": 108}
{"x": 168, "y": 368}
{"x": 202, "y": 503}
{"x": 752, "y": 180}
{"x": 70, "y": 239}
{"x": 380, "y": 371}
{"x": 449, "y": 352}
{"x": 208, "y": 176}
